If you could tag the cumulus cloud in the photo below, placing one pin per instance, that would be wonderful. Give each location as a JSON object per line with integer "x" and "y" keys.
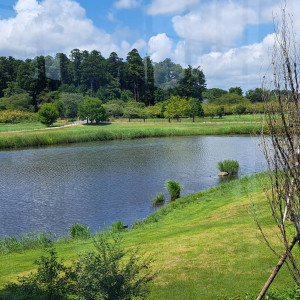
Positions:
{"x": 49, "y": 27}
{"x": 159, "y": 47}
{"x": 215, "y": 24}
{"x": 243, "y": 66}
{"x": 126, "y": 4}
{"x": 169, "y": 6}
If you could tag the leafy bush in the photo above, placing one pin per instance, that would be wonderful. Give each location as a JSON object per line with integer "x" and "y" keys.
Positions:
{"x": 229, "y": 166}
{"x": 53, "y": 280}
{"x": 111, "y": 274}
{"x": 77, "y": 231}
{"x": 159, "y": 199}
{"x": 174, "y": 189}
{"x": 48, "y": 114}
{"x": 117, "y": 226}
{"x": 16, "y": 116}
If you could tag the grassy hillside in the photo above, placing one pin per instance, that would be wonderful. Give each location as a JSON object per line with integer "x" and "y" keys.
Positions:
{"x": 204, "y": 245}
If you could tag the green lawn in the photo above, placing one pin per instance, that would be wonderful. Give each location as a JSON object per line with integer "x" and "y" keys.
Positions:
{"x": 27, "y": 126}
{"x": 203, "y": 245}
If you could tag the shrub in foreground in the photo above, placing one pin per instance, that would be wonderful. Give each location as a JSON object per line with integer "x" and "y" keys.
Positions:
{"x": 174, "y": 189}
{"x": 229, "y": 166}
{"x": 109, "y": 273}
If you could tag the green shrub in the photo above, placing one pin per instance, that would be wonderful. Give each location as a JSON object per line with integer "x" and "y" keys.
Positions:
{"x": 158, "y": 199}
{"x": 53, "y": 280}
{"x": 229, "y": 166}
{"x": 16, "y": 116}
{"x": 117, "y": 226}
{"x": 77, "y": 231}
{"x": 174, "y": 189}
{"x": 48, "y": 114}
{"x": 111, "y": 272}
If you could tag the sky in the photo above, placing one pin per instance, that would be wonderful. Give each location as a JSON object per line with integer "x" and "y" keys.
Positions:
{"x": 231, "y": 40}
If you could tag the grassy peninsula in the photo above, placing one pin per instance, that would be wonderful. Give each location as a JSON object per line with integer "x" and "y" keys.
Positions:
{"x": 204, "y": 245}
{"x": 121, "y": 131}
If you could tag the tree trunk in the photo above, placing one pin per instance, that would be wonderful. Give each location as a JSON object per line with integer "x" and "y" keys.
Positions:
{"x": 277, "y": 268}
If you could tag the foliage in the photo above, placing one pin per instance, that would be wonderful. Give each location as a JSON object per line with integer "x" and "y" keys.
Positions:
{"x": 212, "y": 94}
{"x": 111, "y": 273}
{"x": 195, "y": 108}
{"x": 114, "y": 108}
{"x": 53, "y": 281}
{"x": 70, "y": 103}
{"x": 154, "y": 111}
{"x": 220, "y": 111}
{"x": 77, "y": 231}
{"x": 92, "y": 109}
{"x": 17, "y": 102}
{"x": 229, "y": 166}
{"x": 236, "y": 90}
{"x": 192, "y": 84}
{"x": 48, "y": 114}
{"x": 255, "y": 95}
{"x": 240, "y": 109}
{"x": 16, "y": 116}
{"x": 158, "y": 199}
{"x": 176, "y": 107}
{"x": 230, "y": 98}
{"x": 174, "y": 189}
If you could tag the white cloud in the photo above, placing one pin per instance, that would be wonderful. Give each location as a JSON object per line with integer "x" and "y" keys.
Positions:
{"x": 126, "y": 4}
{"x": 215, "y": 24}
{"x": 244, "y": 66}
{"x": 170, "y": 6}
{"x": 159, "y": 47}
{"x": 49, "y": 27}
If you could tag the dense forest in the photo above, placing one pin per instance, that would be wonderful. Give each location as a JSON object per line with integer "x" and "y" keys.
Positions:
{"x": 125, "y": 87}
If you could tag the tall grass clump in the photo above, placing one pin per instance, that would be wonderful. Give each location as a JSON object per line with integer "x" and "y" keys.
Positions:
{"x": 174, "y": 189}
{"x": 158, "y": 199}
{"x": 117, "y": 227}
{"x": 229, "y": 166}
{"x": 78, "y": 231}
{"x": 24, "y": 242}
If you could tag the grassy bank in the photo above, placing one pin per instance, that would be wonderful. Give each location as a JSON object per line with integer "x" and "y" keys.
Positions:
{"x": 88, "y": 133}
{"x": 204, "y": 245}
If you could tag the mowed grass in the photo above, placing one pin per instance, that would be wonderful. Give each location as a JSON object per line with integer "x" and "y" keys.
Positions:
{"x": 27, "y": 126}
{"x": 203, "y": 245}
{"x": 121, "y": 131}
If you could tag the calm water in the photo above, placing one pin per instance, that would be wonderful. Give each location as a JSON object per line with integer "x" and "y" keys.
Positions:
{"x": 97, "y": 183}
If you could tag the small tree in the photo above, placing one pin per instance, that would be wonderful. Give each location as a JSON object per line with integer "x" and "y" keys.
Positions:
{"x": 281, "y": 147}
{"x": 93, "y": 110}
{"x": 195, "y": 108}
{"x": 108, "y": 274}
{"x": 48, "y": 114}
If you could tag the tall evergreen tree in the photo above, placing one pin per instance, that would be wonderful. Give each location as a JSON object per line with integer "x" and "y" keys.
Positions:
{"x": 192, "y": 84}
{"x": 135, "y": 74}
{"x": 149, "y": 82}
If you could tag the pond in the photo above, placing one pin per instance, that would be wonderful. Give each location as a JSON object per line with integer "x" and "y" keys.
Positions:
{"x": 101, "y": 183}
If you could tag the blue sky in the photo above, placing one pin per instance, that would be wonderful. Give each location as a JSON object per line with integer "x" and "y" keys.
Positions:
{"x": 229, "y": 39}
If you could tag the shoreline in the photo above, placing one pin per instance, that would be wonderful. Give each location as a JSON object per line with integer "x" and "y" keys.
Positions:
{"x": 119, "y": 131}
